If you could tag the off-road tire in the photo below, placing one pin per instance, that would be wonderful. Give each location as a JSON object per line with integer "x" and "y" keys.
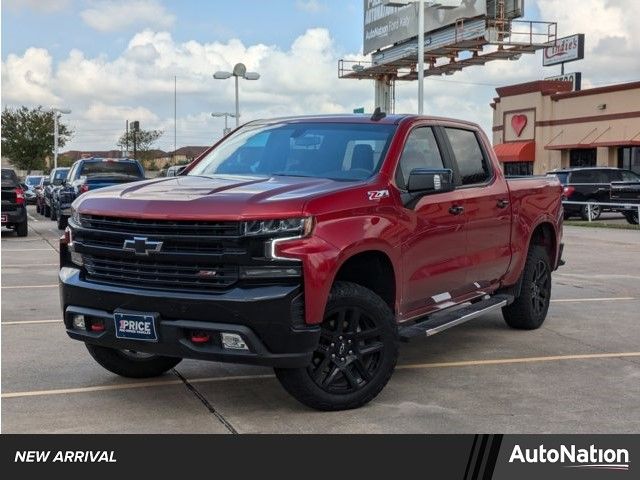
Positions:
{"x": 375, "y": 330}
{"x": 118, "y": 362}
{"x": 62, "y": 222}
{"x": 22, "y": 229}
{"x": 632, "y": 217}
{"x": 529, "y": 310}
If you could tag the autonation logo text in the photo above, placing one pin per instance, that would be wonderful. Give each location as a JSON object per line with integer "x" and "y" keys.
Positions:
{"x": 574, "y": 457}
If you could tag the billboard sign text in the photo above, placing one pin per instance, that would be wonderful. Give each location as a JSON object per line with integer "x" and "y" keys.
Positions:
{"x": 563, "y": 50}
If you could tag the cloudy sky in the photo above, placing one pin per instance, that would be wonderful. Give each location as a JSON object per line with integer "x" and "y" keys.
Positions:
{"x": 113, "y": 60}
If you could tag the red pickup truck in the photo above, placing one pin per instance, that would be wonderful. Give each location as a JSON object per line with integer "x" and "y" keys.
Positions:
{"x": 313, "y": 245}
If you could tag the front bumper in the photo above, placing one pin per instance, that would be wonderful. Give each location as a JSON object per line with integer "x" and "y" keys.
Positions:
{"x": 269, "y": 319}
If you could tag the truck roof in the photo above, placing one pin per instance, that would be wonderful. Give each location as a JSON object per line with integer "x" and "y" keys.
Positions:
{"x": 390, "y": 119}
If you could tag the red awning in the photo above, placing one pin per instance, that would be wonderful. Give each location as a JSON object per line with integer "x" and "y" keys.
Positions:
{"x": 516, "y": 152}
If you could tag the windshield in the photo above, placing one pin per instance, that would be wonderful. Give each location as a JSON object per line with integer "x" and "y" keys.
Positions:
{"x": 32, "y": 181}
{"x": 110, "y": 167}
{"x": 339, "y": 151}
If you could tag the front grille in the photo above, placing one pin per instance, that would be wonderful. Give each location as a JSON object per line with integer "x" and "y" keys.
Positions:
{"x": 161, "y": 227}
{"x": 159, "y": 275}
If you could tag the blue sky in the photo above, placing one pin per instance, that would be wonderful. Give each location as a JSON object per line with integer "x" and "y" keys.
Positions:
{"x": 113, "y": 60}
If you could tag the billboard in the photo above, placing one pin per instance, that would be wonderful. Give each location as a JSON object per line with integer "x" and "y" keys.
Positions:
{"x": 385, "y": 25}
{"x": 563, "y": 50}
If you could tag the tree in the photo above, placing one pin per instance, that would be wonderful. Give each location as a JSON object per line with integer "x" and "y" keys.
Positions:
{"x": 27, "y": 136}
{"x": 144, "y": 139}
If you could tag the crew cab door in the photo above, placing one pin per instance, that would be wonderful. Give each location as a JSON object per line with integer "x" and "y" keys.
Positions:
{"x": 487, "y": 211}
{"x": 433, "y": 253}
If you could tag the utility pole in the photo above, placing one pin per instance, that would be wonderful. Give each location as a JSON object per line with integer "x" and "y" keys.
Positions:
{"x": 175, "y": 118}
{"x": 57, "y": 113}
{"x": 126, "y": 153}
{"x": 135, "y": 128}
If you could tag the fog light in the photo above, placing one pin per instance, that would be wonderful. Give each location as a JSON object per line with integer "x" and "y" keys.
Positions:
{"x": 78, "y": 322}
{"x": 76, "y": 258}
{"x": 233, "y": 341}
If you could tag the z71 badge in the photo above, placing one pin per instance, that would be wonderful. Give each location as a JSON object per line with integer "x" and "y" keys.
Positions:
{"x": 379, "y": 194}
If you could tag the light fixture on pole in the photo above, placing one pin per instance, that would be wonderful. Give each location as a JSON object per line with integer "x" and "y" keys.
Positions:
{"x": 226, "y": 119}
{"x": 57, "y": 113}
{"x": 440, "y": 4}
{"x": 239, "y": 71}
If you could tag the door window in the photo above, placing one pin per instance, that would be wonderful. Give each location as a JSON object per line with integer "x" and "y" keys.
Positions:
{"x": 420, "y": 151}
{"x": 472, "y": 163}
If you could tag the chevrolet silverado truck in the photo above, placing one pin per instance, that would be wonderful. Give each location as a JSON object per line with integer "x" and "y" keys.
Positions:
{"x": 92, "y": 174}
{"x": 313, "y": 245}
{"x": 14, "y": 205}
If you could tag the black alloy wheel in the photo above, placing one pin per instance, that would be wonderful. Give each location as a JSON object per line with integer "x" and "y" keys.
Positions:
{"x": 349, "y": 352}
{"x": 540, "y": 288}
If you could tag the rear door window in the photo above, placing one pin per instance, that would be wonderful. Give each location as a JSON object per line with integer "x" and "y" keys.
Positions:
{"x": 472, "y": 162}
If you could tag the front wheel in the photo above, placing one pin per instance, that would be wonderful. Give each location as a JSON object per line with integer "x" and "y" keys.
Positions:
{"x": 62, "y": 221}
{"x": 22, "y": 229}
{"x": 529, "y": 310}
{"x": 52, "y": 213}
{"x": 632, "y": 217}
{"x": 356, "y": 354}
{"x": 131, "y": 364}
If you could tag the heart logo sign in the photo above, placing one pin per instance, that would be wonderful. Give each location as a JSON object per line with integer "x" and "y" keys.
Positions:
{"x": 519, "y": 123}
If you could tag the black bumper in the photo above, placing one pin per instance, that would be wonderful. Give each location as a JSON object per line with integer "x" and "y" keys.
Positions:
{"x": 267, "y": 317}
{"x": 14, "y": 216}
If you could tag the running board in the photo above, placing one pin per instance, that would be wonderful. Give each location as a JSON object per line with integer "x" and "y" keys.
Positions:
{"x": 440, "y": 322}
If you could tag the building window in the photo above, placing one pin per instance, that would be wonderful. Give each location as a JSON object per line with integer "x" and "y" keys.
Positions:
{"x": 518, "y": 169}
{"x": 587, "y": 157}
{"x": 629, "y": 158}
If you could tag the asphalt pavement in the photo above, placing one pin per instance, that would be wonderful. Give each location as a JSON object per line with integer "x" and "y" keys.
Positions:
{"x": 580, "y": 373}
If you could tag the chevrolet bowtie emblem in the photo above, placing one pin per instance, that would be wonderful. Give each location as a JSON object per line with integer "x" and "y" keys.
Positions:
{"x": 141, "y": 246}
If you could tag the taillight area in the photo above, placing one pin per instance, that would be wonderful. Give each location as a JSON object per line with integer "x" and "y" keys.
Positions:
{"x": 567, "y": 192}
{"x": 84, "y": 188}
{"x": 19, "y": 196}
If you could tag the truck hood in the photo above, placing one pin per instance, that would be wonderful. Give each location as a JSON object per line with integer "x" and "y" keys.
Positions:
{"x": 221, "y": 197}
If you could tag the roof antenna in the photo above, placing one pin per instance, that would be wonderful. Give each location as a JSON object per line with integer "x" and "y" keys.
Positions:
{"x": 378, "y": 115}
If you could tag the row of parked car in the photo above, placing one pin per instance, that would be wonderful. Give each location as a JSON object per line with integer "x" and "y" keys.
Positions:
{"x": 600, "y": 186}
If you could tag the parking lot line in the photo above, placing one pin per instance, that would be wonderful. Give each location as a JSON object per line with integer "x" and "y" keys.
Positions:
{"x": 31, "y": 265}
{"x": 14, "y": 287}
{"x": 577, "y": 300}
{"x": 29, "y": 249}
{"x": 31, "y": 322}
{"x": 161, "y": 383}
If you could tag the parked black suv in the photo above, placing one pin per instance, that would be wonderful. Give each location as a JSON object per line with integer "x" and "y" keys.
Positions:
{"x": 14, "y": 208}
{"x": 590, "y": 185}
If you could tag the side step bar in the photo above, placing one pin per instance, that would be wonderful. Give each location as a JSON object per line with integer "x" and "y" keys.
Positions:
{"x": 440, "y": 322}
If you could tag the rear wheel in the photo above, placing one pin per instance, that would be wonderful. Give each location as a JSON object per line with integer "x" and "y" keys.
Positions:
{"x": 529, "y": 310}
{"x": 632, "y": 217}
{"x": 355, "y": 357}
{"x": 52, "y": 213}
{"x": 22, "y": 229}
{"x": 596, "y": 211}
{"x": 132, "y": 364}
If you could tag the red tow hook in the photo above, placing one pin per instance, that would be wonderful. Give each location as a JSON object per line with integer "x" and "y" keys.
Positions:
{"x": 97, "y": 327}
{"x": 200, "y": 337}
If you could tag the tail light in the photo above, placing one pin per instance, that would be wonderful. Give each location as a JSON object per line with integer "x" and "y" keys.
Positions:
{"x": 568, "y": 191}
{"x": 19, "y": 196}
{"x": 84, "y": 188}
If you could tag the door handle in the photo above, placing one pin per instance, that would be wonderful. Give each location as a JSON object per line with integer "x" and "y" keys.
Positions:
{"x": 456, "y": 210}
{"x": 503, "y": 203}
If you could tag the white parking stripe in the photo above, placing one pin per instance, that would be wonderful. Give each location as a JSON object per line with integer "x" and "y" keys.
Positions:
{"x": 50, "y": 249}
{"x": 14, "y": 287}
{"x": 578, "y": 300}
{"x": 31, "y": 265}
{"x": 31, "y": 322}
{"x": 161, "y": 383}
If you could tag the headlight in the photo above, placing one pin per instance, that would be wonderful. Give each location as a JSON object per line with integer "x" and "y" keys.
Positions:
{"x": 276, "y": 228}
{"x": 75, "y": 216}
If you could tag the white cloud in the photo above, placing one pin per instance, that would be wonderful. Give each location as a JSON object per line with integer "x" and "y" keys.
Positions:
{"x": 300, "y": 79}
{"x": 46, "y": 6}
{"x": 310, "y": 6}
{"x": 113, "y": 15}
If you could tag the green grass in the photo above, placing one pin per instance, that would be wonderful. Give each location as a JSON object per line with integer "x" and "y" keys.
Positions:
{"x": 601, "y": 224}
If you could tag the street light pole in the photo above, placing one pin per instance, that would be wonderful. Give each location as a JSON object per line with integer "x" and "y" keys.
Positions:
{"x": 239, "y": 71}
{"x": 420, "y": 57}
{"x": 226, "y": 119}
{"x": 57, "y": 113}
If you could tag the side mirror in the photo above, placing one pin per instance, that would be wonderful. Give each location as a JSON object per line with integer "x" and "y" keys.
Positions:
{"x": 427, "y": 181}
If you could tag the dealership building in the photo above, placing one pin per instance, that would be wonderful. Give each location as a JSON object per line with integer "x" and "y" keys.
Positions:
{"x": 545, "y": 125}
